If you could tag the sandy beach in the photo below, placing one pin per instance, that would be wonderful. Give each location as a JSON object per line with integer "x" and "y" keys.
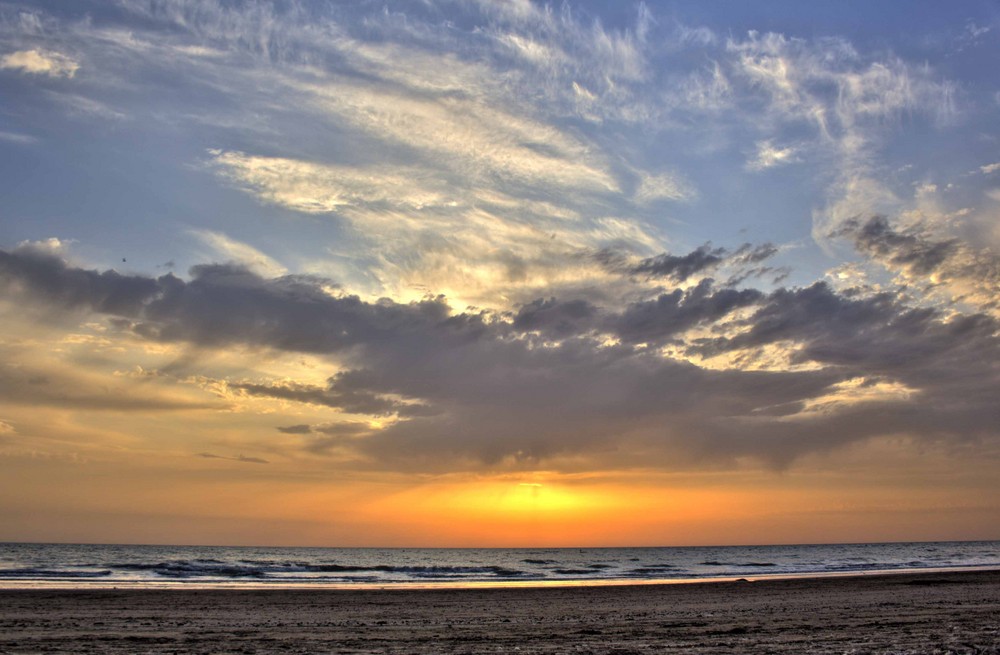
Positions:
{"x": 921, "y": 613}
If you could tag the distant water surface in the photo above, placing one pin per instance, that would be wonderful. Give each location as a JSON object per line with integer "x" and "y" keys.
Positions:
{"x": 124, "y": 565}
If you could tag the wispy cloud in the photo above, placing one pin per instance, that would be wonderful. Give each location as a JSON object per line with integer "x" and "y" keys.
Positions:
{"x": 230, "y": 250}
{"x": 467, "y": 136}
{"x": 768, "y": 156}
{"x": 40, "y": 62}
{"x": 239, "y": 458}
{"x": 662, "y": 187}
{"x": 439, "y": 232}
{"x": 88, "y": 107}
{"x": 317, "y": 188}
{"x": 16, "y": 137}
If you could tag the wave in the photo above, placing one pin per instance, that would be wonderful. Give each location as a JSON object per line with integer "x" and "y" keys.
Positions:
{"x": 232, "y": 566}
{"x": 44, "y": 574}
{"x": 265, "y": 568}
{"x": 574, "y": 571}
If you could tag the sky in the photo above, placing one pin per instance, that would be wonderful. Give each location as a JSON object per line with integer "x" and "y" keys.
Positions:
{"x": 442, "y": 273}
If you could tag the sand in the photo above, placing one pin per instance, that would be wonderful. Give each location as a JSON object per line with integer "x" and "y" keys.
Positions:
{"x": 926, "y": 613}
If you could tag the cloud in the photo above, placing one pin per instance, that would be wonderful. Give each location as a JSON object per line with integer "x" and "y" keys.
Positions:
{"x": 51, "y": 246}
{"x": 329, "y": 437}
{"x": 703, "y": 259}
{"x": 239, "y": 458}
{"x": 989, "y": 169}
{"x": 670, "y": 314}
{"x": 879, "y": 335}
{"x": 322, "y": 188}
{"x": 239, "y": 253}
{"x": 433, "y": 230}
{"x": 343, "y": 393}
{"x": 422, "y": 137}
{"x": 574, "y": 62}
{"x": 64, "y": 389}
{"x": 557, "y": 319}
{"x": 845, "y": 100}
{"x": 662, "y": 187}
{"x": 466, "y": 136}
{"x": 751, "y": 254}
{"x": 910, "y": 251}
{"x": 424, "y": 143}
{"x": 768, "y": 156}
{"x": 40, "y": 62}
{"x": 79, "y": 105}
{"x": 533, "y": 162}
{"x": 343, "y": 429}
{"x": 797, "y": 75}
{"x": 567, "y": 382}
{"x": 50, "y": 278}
{"x": 295, "y": 429}
{"x": 15, "y": 137}
{"x": 933, "y": 264}
{"x": 681, "y": 267}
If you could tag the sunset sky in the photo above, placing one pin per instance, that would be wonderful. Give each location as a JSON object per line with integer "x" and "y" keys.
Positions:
{"x": 477, "y": 273}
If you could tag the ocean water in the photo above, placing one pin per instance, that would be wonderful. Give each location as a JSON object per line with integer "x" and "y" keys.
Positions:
{"x": 82, "y": 565}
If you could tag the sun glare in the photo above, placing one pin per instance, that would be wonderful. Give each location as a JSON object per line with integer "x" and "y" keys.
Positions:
{"x": 521, "y": 499}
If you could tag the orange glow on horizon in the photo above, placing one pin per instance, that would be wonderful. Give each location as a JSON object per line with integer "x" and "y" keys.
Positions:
{"x": 503, "y": 512}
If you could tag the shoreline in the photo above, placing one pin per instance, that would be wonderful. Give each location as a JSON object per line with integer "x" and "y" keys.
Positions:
{"x": 179, "y": 585}
{"x": 954, "y": 611}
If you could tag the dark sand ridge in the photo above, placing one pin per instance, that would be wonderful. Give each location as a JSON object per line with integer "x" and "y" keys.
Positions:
{"x": 951, "y": 612}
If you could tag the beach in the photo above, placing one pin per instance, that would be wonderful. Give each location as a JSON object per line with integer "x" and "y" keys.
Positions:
{"x": 939, "y": 612}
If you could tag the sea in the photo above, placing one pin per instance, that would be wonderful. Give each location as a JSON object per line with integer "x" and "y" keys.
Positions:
{"x": 101, "y": 566}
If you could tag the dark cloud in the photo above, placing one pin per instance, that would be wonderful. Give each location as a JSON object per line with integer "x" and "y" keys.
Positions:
{"x": 20, "y": 385}
{"x": 703, "y": 259}
{"x": 295, "y": 429}
{"x": 681, "y": 267}
{"x": 327, "y": 436}
{"x": 913, "y": 251}
{"x": 649, "y": 321}
{"x": 666, "y": 316}
{"x": 222, "y": 304}
{"x": 968, "y": 274}
{"x": 751, "y": 254}
{"x": 566, "y": 381}
{"x": 803, "y": 314}
{"x": 225, "y": 304}
{"x": 239, "y": 458}
{"x": 347, "y": 391}
{"x": 343, "y": 429}
{"x": 560, "y": 319}
{"x": 48, "y": 277}
{"x": 949, "y": 360}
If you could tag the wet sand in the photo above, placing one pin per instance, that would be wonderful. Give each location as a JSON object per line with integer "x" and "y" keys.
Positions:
{"x": 922, "y": 613}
